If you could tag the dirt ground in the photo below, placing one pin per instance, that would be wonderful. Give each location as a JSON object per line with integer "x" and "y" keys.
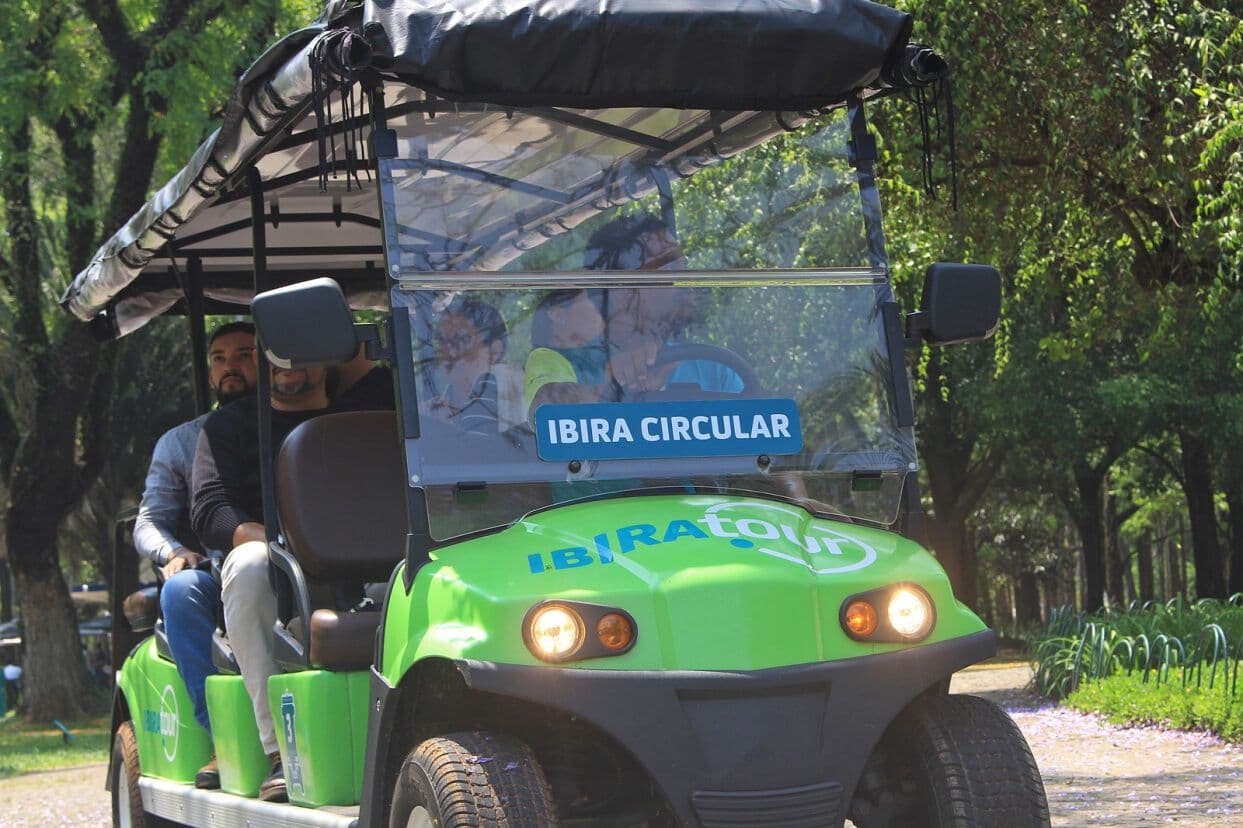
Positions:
{"x": 1098, "y": 774}
{"x": 1095, "y": 774}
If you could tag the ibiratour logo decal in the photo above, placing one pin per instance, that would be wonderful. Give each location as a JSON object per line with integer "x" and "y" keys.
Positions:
{"x": 767, "y": 528}
{"x": 164, "y": 722}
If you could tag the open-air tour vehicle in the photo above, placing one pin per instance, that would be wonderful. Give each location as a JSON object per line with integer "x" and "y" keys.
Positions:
{"x": 673, "y": 572}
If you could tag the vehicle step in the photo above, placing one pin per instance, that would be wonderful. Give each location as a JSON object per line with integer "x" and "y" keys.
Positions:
{"x": 190, "y": 806}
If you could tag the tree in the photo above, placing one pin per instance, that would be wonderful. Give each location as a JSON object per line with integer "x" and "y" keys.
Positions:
{"x": 96, "y": 95}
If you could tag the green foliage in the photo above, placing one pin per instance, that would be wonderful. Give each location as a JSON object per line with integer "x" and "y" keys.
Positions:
{"x": 26, "y": 747}
{"x": 1128, "y": 699}
{"x": 1198, "y": 646}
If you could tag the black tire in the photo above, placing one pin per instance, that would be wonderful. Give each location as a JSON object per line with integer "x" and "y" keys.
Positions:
{"x": 472, "y": 779}
{"x": 126, "y": 798}
{"x": 954, "y": 762}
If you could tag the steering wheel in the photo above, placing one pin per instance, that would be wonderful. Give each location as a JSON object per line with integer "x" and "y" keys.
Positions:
{"x": 671, "y": 354}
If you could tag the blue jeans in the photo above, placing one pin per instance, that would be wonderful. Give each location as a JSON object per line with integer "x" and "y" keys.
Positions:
{"x": 189, "y": 600}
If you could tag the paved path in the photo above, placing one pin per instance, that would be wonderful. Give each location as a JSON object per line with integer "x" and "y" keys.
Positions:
{"x": 74, "y": 796}
{"x": 1095, "y": 774}
{"x": 1098, "y": 774}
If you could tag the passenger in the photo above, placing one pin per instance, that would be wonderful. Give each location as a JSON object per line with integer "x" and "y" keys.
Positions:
{"x": 470, "y": 343}
{"x": 361, "y": 384}
{"x": 190, "y": 596}
{"x": 227, "y": 511}
{"x": 568, "y": 362}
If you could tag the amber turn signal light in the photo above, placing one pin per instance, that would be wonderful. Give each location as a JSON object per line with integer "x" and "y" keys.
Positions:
{"x": 861, "y": 618}
{"x": 615, "y": 631}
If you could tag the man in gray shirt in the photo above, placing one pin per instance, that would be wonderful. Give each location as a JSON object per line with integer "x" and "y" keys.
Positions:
{"x": 164, "y": 515}
{"x": 162, "y": 533}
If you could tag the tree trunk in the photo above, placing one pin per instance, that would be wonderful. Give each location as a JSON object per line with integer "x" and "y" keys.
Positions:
{"x": 955, "y": 550}
{"x": 6, "y": 591}
{"x": 1113, "y": 552}
{"x": 1143, "y": 560}
{"x": 1089, "y": 515}
{"x": 1027, "y": 600}
{"x": 1234, "y": 502}
{"x": 1202, "y": 513}
{"x": 54, "y": 676}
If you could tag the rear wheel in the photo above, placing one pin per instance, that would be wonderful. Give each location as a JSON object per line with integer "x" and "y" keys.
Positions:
{"x": 955, "y": 762}
{"x": 127, "y": 809}
{"x": 472, "y": 779}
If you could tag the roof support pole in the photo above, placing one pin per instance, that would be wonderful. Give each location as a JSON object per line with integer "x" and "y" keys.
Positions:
{"x": 198, "y": 333}
{"x": 259, "y": 244}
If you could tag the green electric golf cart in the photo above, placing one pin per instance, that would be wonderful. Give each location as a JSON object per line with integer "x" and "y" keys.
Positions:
{"x": 642, "y": 543}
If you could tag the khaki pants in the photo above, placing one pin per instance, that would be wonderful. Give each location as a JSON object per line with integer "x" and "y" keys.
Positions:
{"x": 249, "y": 615}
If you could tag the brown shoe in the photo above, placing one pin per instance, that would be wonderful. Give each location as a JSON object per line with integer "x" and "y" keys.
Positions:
{"x": 273, "y": 788}
{"x": 208, "y": 777}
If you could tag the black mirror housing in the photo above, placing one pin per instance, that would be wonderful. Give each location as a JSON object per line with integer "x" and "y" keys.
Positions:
{"x": 960, "y": 303}
{"x": 306, "y": 324}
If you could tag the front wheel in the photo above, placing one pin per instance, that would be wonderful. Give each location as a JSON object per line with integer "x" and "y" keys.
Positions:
{"x": 127, "y": 809}
{"x": 951, "y": 761}
{"x": 472, "y": 779}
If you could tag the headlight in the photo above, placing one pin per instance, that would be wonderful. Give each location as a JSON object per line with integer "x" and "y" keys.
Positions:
{"x": 896, "y": 614}
{"x": 555, "y": 632}
{"x": 910, "y": 613}
{"x": 861, "y": 618}
{"x": 560, "y": 631}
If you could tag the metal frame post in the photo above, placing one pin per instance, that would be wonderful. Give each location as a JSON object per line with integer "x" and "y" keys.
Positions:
{"x": 198, "y": 333}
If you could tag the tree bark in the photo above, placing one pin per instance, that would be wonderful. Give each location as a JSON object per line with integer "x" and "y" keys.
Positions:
{"x": 1232, "y": 477}
{"x": 1088, "y": 512}
{"x": 1202, "y": 514}
{"x": 1113, "y": 557}
{"x": 1027, "y": 599}
{"x": 6, "y": 591}
{"x": 1143, "y": 560}
{"x": 1234, "y": 502}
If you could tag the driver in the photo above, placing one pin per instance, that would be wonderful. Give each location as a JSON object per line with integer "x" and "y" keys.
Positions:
{"x": 570, "y": 361}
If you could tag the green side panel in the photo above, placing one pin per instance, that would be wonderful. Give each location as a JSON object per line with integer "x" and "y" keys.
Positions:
{"x": 171, "y": 745}
{"x": 239, "y": 754}
{"x": 713, "y": 583}
{"x": 322, "y": 734}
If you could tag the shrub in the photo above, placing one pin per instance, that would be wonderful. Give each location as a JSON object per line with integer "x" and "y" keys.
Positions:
{"x": 1126, "y": 699}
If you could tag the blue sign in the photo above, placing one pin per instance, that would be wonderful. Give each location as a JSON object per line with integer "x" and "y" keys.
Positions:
{"x": 685, "y": 428}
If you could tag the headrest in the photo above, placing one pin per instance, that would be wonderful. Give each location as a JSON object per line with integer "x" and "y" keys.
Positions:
{"x": 341, "y": 496}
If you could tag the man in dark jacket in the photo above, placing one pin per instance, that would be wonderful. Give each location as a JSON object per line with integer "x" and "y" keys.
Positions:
{"x": 227, "y": 513}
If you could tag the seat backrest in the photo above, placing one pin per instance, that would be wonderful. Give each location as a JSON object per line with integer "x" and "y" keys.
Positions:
{"x": 341, "y": 496}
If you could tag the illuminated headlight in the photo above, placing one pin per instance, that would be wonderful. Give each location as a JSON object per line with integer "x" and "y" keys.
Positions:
{"x": 555, "y": 632}
{"x": 559, "y": 631}
{"x": 910, "y": 613}
{"x": 901, "y": 613}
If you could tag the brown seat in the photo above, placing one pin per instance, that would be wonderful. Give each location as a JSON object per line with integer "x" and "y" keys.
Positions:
{"x": 142, "y": 608}
{"x": 341, "y": 496}
{"x": 339, "y": 640}
{"x": 341, "y": 499}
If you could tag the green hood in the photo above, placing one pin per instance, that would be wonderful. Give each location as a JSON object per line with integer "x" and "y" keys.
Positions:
{"x": 713, "y": 583}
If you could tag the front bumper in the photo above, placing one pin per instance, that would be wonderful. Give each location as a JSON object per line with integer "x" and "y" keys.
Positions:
{"x": 782, "y": 746}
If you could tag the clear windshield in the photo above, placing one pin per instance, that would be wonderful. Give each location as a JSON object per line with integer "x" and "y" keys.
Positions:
{"x": 536, "y": 396}
{"x": 490, "y": 190}
{"x": 611, "y": 302}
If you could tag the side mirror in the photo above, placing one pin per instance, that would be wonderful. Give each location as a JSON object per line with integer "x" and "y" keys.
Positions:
{"x": 304, "y": 325}
{"x": 960, "y": 303}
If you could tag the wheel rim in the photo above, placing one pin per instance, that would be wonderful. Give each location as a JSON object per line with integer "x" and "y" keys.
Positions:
{"x": 419, "y": 818}
{"x": 121, "y": 791}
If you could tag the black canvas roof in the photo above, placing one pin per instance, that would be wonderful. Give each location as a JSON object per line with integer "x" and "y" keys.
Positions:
{"x": 692, "y": 54}
{"x": 564, "y": 57}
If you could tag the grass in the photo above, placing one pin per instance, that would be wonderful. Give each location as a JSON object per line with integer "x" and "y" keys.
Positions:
{"x": 1127, "y": 699}
{"x": 26, "y": 746}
